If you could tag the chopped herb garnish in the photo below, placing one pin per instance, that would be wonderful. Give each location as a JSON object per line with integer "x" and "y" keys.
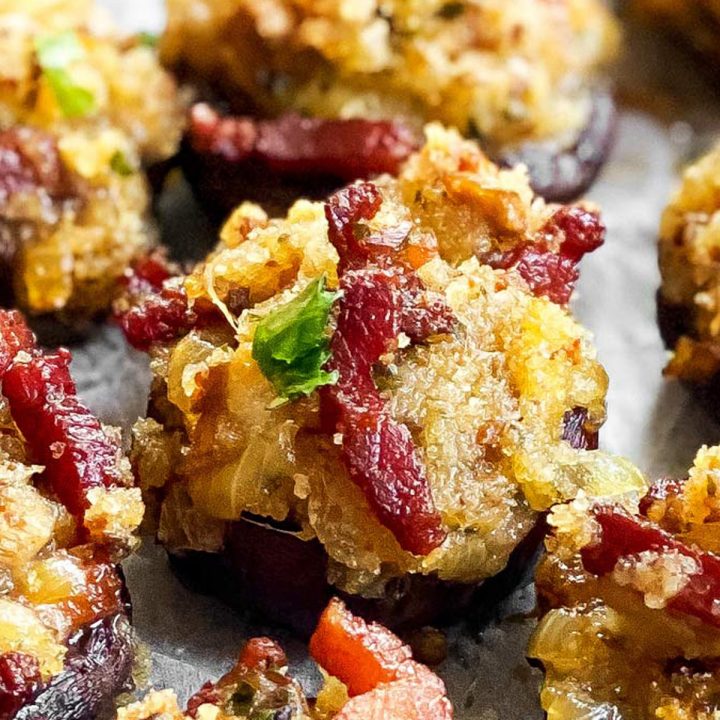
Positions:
{"x": 451, "y": 10}
{"x": 119, "y": 164}
{"x": 148, "y": 39}
{"x": 291, "y": 343}
{"x": 55, "y": 53}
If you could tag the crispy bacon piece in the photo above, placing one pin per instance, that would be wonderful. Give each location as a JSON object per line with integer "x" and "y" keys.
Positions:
{"x": 19, "y": 681}
{"x": 262, "y": 653}
{"x": 581, "y": 231}
{"x": 208, "y": 694}
{"x": 382, "y": 678}
{"x": 297, "y": 146}
{"x": 377, "y": 304}
{"x": 360, "y": 655}
{"x": 161, "y": 316}
{"x": 623, "y": 535}
{"x": 15, "y": 336}
{"x": 60, "y": 431}
{"x": 147, "y": 273}
{"x": 548, "y": 275}
{"x": 155, "y": 309}
{"x": 554, "y": 274}
{"x": 152, "y": 311}
{"x": 343, "y": 211}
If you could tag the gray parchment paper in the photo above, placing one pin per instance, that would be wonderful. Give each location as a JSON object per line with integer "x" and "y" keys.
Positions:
{"x": 668, "y": 116}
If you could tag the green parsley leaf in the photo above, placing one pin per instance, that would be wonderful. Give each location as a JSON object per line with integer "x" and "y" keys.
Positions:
{"x": 148, "y": 39}
{"x": 119, "y": 164}
{"x": 291, "y": 343}
{"x": 55, "y": 53}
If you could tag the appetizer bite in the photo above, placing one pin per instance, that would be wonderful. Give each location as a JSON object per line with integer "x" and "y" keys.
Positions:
{"x": 523, "y": 78}
{"x": 82, "y": 108}
{"x": 385, "y": 390}
{"x": 67, "y": 516}
{"x": 368, "y": 674}
{"x": 631, "y": 598}
{"x": 697, "y": 22}
{"x": 688, "y": 309}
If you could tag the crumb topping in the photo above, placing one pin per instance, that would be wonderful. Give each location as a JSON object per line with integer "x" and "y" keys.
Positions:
{"x": 630, "y": 596}
{"x": 504, "y": 72}
{"x": 485, "y": 401}
{"x": 82, "y": 108}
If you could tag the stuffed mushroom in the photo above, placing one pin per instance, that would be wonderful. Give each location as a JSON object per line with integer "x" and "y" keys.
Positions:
{"x": 386, "y": 389}
{"x": 524, "y": 78}
{"x": 688, "y": 308}
{"x": 68, "y": 512}
{"x": 629, "y": 592}
{"x": 82, "y": 110}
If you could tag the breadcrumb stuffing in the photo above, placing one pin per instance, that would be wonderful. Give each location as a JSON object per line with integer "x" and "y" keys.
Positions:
{"x": 486, "y": 404}
{"x": 689, "y": 237}
{"x": 72, "y": 238}
{"x": 504, "y": 72}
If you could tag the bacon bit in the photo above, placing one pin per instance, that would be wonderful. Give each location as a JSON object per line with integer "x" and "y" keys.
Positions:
{"x": 379, "y": 452}
{"x": 297, "y": 146}
{"x": 581, "y": 231}
{"x": 19, "y": 681}
{"x": 262, "y": 653}
{"x": 379, "y": 303}
{"x": 148, "y": 272}
{"x": 15, "y": 336}
{"x": 382, "y": 678}
{"x": 360, "y": 655}
{"x": 554, "y": 274}
{"x": 259, "y": 655}
{"x": 208, "y": 694}
{"x": 624, "y": 536}
{"x": 343, "y": 211}
{"x": 548, "y": 275}
{"x": 43, "y": 402}
{"x": 159, "y": 317}
{"x": 155, "y": 309}
{"x": 152, "y": 311}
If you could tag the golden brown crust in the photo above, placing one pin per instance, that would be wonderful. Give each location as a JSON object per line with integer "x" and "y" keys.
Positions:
{"x": 65, "y": 641}
{"x": 489, "y": 431}
{"x": 506, "y": 72}
{"x": 63, "y": 252}
{"x": 689, "y": 234}
{"x": 636, "y": 637}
